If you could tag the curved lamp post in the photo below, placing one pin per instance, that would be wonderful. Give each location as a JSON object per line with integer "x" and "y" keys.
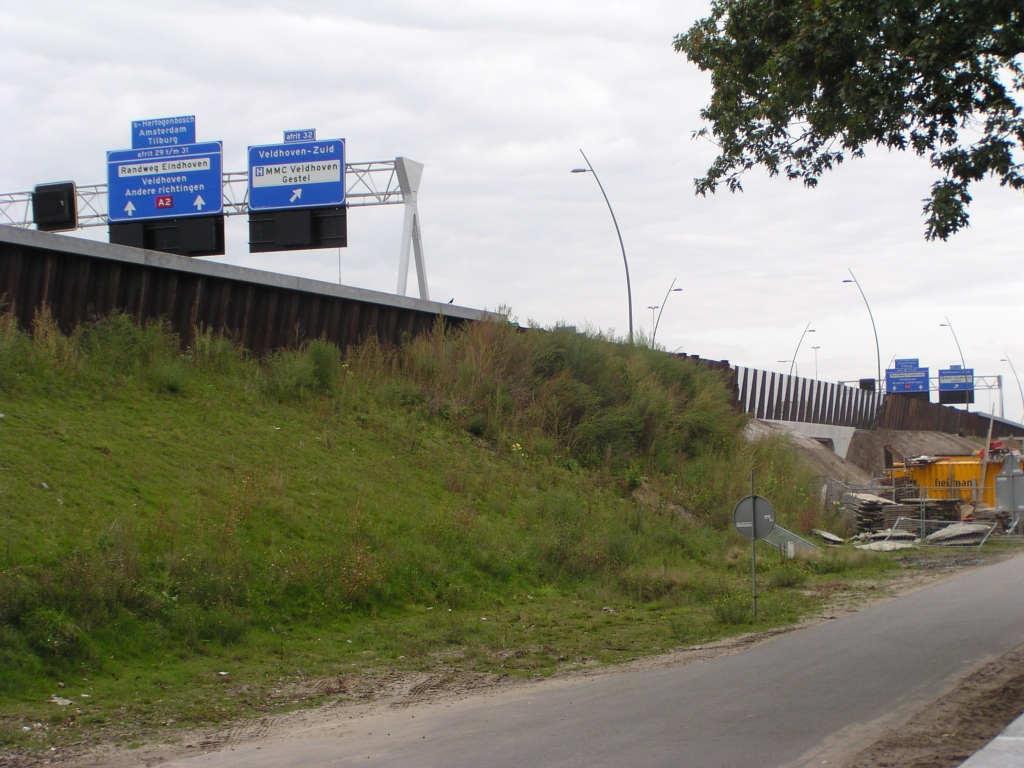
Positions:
{"x": 671, "y": 289}
{"x": 1019, "y": 388}
{"x": 791, "y": 364}
{"x": 949, "y": 325}
{"x": 629, "y": 289}
{"x": 807, "y": 329}
{"x": 878, "y": 350}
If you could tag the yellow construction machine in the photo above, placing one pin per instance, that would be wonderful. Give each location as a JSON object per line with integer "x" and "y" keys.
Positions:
{"x": 968, "y": 478}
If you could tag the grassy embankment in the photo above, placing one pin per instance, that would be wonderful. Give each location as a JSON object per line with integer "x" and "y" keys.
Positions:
{"x": 500, "y": 501}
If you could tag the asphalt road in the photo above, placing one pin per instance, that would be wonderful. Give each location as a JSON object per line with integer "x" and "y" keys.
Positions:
{"x": 803, "y": 698}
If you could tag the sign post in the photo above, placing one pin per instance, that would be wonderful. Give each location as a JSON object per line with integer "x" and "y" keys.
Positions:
{"x": 754, "y": 518}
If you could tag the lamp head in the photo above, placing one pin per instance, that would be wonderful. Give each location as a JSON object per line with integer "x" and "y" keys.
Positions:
{"x": 578, "y": 170}
{"x": 849, "y": 281}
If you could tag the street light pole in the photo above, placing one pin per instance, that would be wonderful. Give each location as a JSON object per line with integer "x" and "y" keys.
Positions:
{"x": 671, "y": 289}
{"x": 652, "y": 308}
{"x": 807, "y": 330}
{"x": 816, "y": 361}
{"x": 878, "y": 349}
{"x": 629, "y": 289}
{"x": 963, "y": 365}
{"x": 1020, "y": 389}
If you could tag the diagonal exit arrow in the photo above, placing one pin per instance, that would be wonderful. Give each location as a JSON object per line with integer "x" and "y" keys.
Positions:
{"x": 296, "y": 194}
{"x": 199, "y": 202}
{"x": 129, "y": 208}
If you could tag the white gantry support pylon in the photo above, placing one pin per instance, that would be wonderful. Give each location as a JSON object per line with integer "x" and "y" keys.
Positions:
{"x": 409, "y": 174}
{"x": 377, "y": 182}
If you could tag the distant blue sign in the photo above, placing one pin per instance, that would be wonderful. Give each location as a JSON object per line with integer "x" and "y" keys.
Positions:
{"x": 297, "y": 175}
{"x": 168, "y": 182}
{"x": 956, "y": 378}
{"x": 163, "y": 132}
{"x": 305, "y": 134}
{"x": 907, "y": 376}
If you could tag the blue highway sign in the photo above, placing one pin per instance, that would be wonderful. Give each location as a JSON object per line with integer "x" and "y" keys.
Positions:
{"x": 297, "y": 175}
{"x": 956, "y": 378}
{"x": 165, "y": 182}
{"x": 907, "y": 376}
{"x": 163, "y": 132}
{"x": 304, "y": 134}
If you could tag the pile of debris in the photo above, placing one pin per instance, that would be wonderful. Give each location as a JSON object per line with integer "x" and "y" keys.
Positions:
{"x": 908, "y": 532}
{"x": 873, "y": 513}
{"x": 888, "y": 540}
{"x": 868, "y": 510}
{"x": 930, "y": 509}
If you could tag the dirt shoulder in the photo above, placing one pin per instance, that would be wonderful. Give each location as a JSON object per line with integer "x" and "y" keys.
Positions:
{"x": 955, "y": 726}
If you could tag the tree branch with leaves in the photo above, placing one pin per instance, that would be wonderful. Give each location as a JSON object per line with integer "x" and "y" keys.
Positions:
{"x": 801, "y": 85}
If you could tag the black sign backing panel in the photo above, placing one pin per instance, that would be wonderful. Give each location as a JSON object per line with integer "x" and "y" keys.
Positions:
{"x": 55, "y": 207}
{"x": 191, "y": 236}
{"x": 298, "y": 230}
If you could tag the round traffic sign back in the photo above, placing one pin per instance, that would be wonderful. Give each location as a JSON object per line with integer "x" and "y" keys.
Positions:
{"x": 754, "y": 517}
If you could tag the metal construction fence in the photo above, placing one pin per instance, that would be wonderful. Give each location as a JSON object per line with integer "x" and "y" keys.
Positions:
{"x": 943, "y": 533}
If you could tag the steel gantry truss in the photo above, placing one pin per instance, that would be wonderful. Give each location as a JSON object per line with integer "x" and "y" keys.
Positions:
{"x": 377, "y": 182}
{"x": 980, "y": 383}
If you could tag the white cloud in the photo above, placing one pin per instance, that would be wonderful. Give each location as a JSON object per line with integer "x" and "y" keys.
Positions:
{"x": 496, "y": 98}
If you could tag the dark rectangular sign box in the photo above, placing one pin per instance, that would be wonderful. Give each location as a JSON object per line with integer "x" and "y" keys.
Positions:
{"x": 187, "y": 236}
{"x": 55, "y": 207}
{"x": 956, "y": 397}
{"x": 298, "y": 229}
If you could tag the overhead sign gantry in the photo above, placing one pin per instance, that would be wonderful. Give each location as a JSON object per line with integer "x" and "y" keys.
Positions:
{"x": 196, "y": 229}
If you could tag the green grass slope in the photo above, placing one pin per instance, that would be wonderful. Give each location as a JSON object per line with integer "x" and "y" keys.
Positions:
{"x": 513, "y": 501}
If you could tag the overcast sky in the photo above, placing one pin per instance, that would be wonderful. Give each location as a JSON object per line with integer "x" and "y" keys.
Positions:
{"x": 497, "y": 98}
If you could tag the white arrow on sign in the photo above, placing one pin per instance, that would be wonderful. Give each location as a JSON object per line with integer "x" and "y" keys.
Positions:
{"x": 296, "y": 194}
{"x": 129, "y": 208}
{"x": 199, "y": 202}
